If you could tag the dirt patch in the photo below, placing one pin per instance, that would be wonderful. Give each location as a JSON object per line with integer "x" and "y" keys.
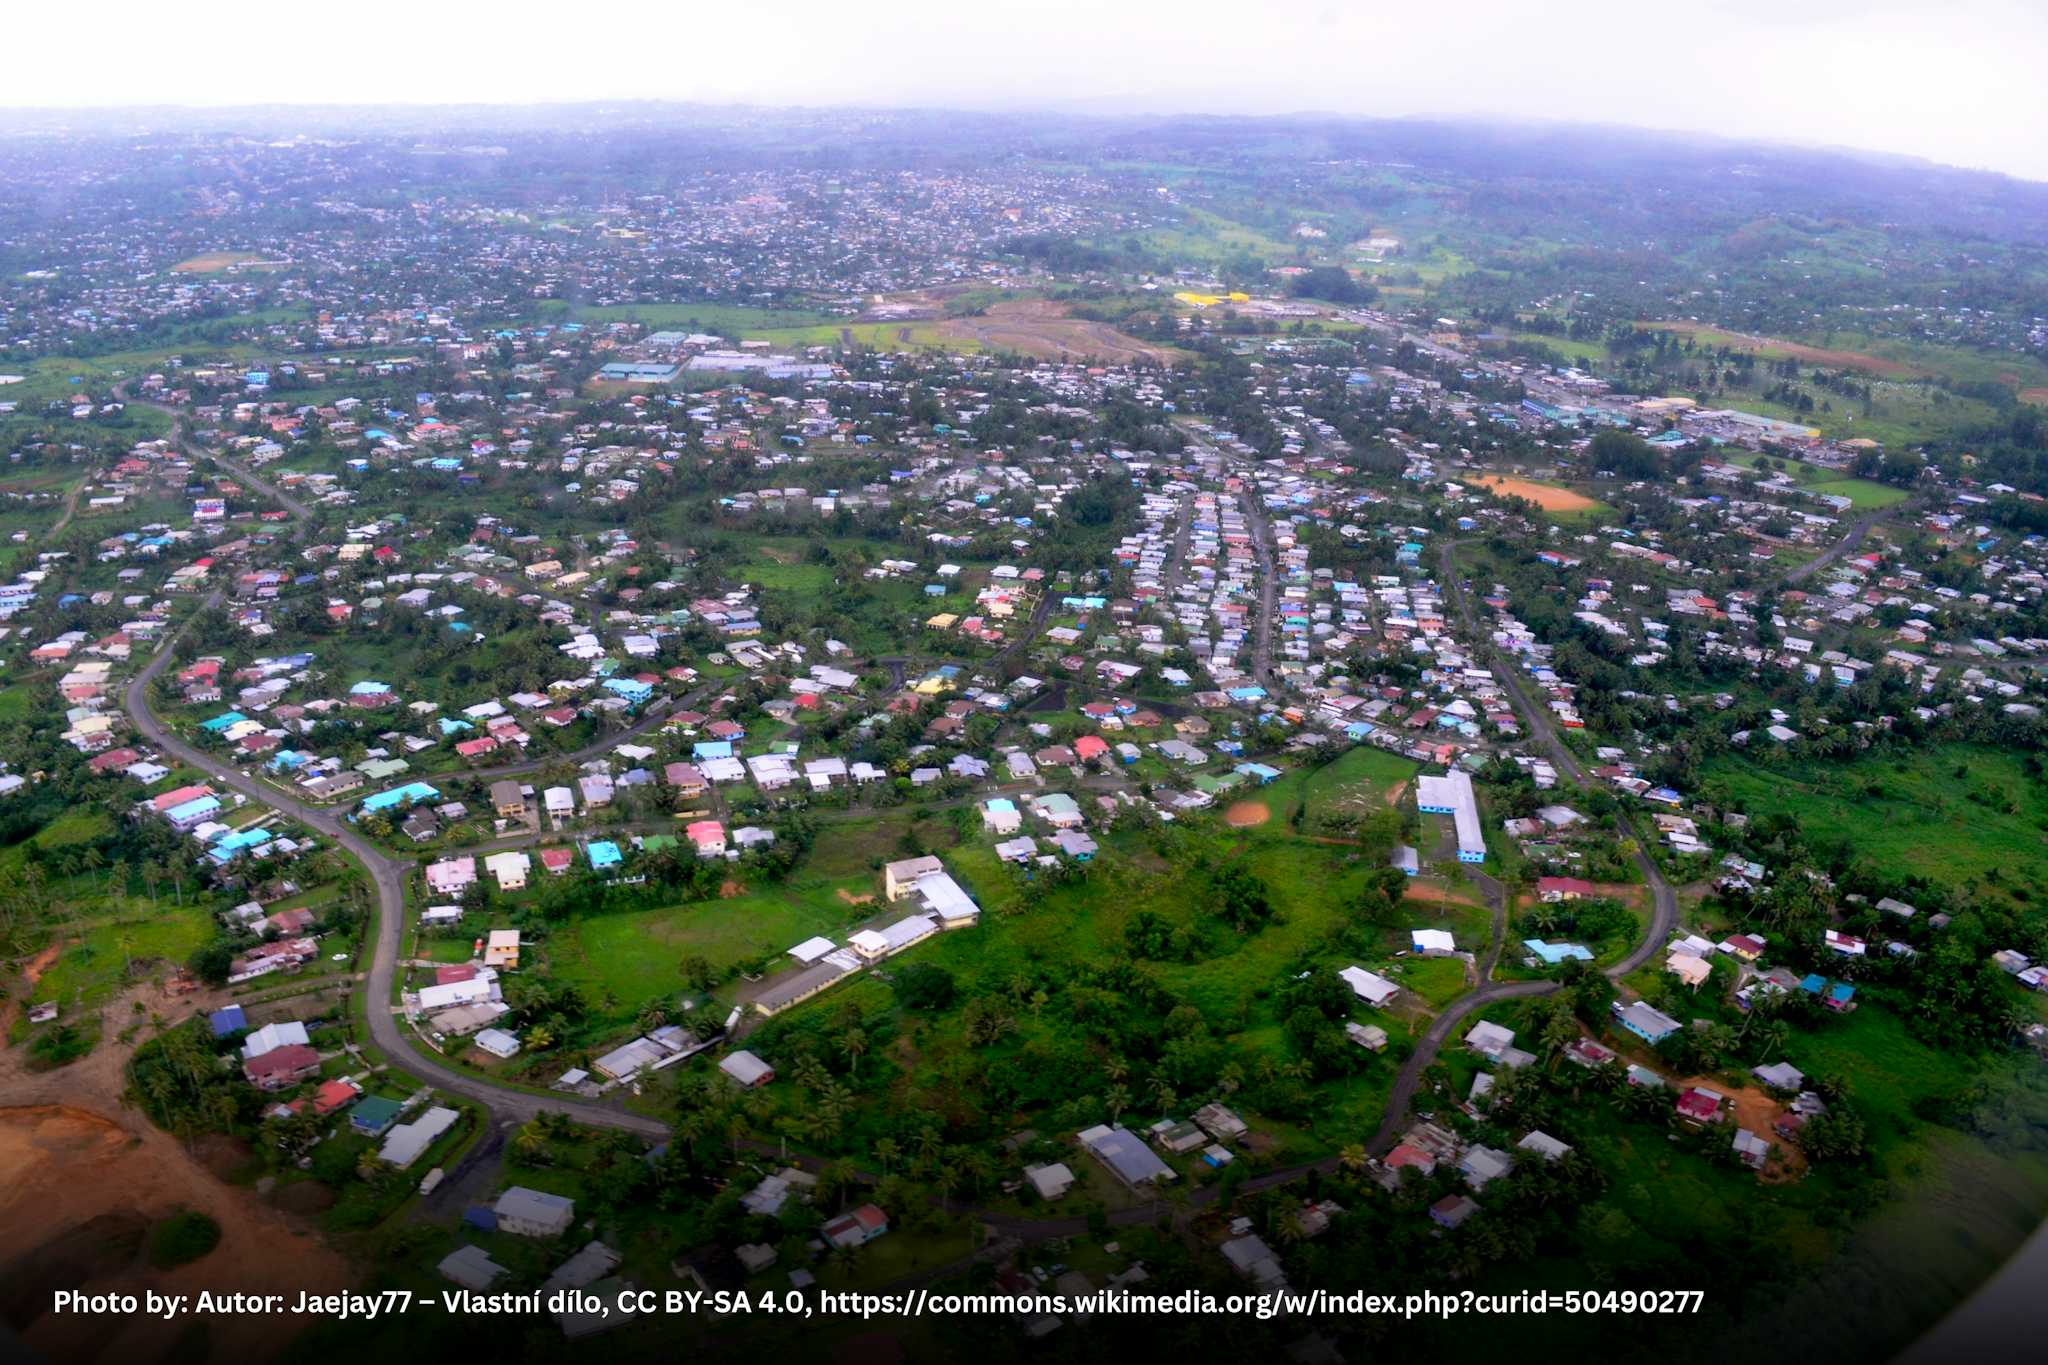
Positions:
{"x": 1041, "y": 327}
{"x": 211, "y": 262}
{"x": 730, "y": 888}
{"x": 1436, "y": 895}
{"x": 1245, "y": 814}
{"x": 852, "y": 899}
{"x": 1777, "y": 348}
{"x": 82, "y": 1192}
{"x": 1754, "y": 1109}
{"x": 1549, "y": 497}
{"x": 40, "y": 963}
{"x": 305, "y": 1197}
{"x": 1396, "y": 792}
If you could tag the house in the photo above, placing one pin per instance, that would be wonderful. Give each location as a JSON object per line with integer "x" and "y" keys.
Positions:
{"x": 470, "y": 1267}
{"x": 1753, "y": 1150}
{"x": 687, "y": 779}
{"x": 374, "y": 1115}
{"x": 1451, "y": 1211}
{"x": 749, "y": 1071}
{"x": 1058, "y": 810}
{"x": 273, "y": 1036}
{"x": 1649, "y": 1024}
{"x": 407, "y": 1142}
{"x": 863, "y": 1225}
{"x": 533, "y": 1213}
{"x": 282, "y": 1067}
{"x": 497, "y": 1042}
{"x": 509, "y": 868}
{"x": 1370, "y": 987}
{"x": 1050, "y": 1182}
{"x": 899, "y": 879}
{"x": 1220, "y": 1123}
{"x": 1553, "y": 889}
{"x": 1000, "y": 816}
{"x": 1075, "y": 844}
{"x": 1780, "y": 1076}
{"x": 501, "y": 949}
{"x": 1253, "y": 1260}
{"x": 508, "y": 800}
{"x": 1125, "y": 1155}
{"x": 450, "y": 877}
{"x": 1482, "y": 1164}
{"x": 1700, "y": 1105}
{"x": 1489, "y": 1039}
{"x": 1371, "y": 1037}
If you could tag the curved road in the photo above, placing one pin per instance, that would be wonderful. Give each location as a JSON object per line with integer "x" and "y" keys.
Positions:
{"x": 389, "y": 874}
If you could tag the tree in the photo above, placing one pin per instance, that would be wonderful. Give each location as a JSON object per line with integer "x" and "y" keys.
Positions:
{"x": 924, "y": 986}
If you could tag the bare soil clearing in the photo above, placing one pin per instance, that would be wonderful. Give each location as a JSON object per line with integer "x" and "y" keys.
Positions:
{"x": 84, "y": 1171}
{"x": 1812, "y": 355}
{"x": 84, "y": 1190}
{"x": 1245, "y": 814}
{"x": 1549, "y": 497}
{"x": 1755, "y": 1110}
{"x": 1040, "y": 327}
{"x": 212, "y": 262}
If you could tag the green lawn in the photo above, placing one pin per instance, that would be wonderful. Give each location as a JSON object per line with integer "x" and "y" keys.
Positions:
{"x": 1953, "y": 814}
{"x": 633, "y": 954}
{"x": 90, "y": 970}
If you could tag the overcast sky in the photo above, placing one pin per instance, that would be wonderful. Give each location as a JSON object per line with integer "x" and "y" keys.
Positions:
{"x": 1957, "y": 81}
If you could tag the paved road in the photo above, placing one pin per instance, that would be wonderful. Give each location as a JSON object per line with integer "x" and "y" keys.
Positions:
{"x": 503, "y": 1105}
{"x": 1857, "y": 531}
{"x": 1269, "y": 589}
{"x": 388, "y": 875}
{"x": 1664, "y": 916}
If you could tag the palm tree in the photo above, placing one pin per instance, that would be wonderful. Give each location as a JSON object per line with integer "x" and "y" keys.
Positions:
{"x": 1773, "y": 1035}
{"x": 1560, "y": 1031}
{"x": 1117, "y": 1098}
{"x": 1353, "y": 1159}
{"x": 853, "y": 1043}
{"x": 886, "y": 1152}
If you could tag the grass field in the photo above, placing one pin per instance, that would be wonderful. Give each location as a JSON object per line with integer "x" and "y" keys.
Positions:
{"x": 1867, "y": 495}
{"x": 1956, "y": 814}
{"x": 633, "y": 954}
{"x": 93, "y": 968}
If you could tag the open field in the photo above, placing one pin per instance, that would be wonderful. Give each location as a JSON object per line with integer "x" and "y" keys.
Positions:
{"x": 1771, "y": 348}
{"x": 212, "y": 262}
{"x": 1550, "y": 497}
{"x": 1956, "y": 814}
{"x": 1867, "y": 495}
{"x": 1040, "y": 327}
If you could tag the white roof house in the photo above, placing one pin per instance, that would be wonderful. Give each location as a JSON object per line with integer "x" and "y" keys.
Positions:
{"x": 533, "y": 1213}
{"x": 747, "y": 1069}
{"x": 271, "y": 1037}
{"x": 497, "y": 1042}
{"x": 404, "y": 1143}
{"x": 1370, "y": 987}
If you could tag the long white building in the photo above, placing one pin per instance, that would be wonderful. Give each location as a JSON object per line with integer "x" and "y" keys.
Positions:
{"x": 1452, "y": 795}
